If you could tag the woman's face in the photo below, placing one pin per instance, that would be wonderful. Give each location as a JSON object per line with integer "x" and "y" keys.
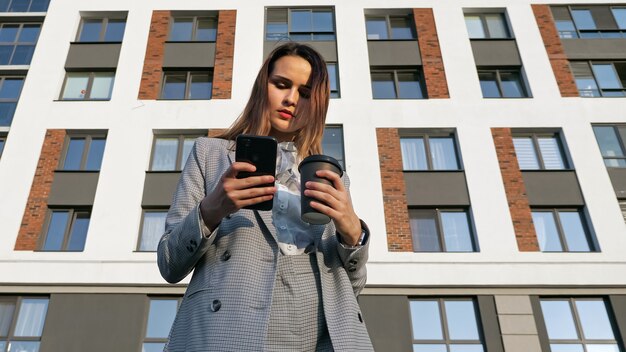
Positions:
{"x": 286, "y": 87}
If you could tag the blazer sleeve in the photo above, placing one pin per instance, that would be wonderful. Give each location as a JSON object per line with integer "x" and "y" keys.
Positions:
{"x": 354, "y": 259}
{"x": 184, "y": 242}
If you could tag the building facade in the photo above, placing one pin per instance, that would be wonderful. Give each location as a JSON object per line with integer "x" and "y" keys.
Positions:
{"x": 485, "y": 142}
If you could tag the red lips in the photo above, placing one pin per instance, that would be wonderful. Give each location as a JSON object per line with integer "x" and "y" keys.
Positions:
{"x": 286, "y": 114}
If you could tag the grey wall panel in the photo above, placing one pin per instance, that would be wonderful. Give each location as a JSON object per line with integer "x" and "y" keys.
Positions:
{"x": 93, "y": 55}
{"x": 489, "y": 322}
{"x": 394, "y": 53}
{"x": 594, "y": 49}
{"x": 496, "y": 53}
{"x": 436, "y": 188}
{"x": 618, "y": 303}
{"x": 542, "y": 331}
{"x": 159, "y": 188}
{"x": 328, "y": 49}
{"x": 618, "y": 179}
{"x": 189, "y": 55}
{"x": 73, "y": 188}
{"x": 388, "y": 322}
{"x": 94, "y": 323}
{"x": 552, "y": 188}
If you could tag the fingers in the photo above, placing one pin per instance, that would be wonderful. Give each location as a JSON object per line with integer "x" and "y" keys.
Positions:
{"x": 237, "y": 167}
{"x": 333, "y": 177}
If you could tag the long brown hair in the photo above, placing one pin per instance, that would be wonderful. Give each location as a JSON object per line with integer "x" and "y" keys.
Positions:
{"x": 255, "y": 118}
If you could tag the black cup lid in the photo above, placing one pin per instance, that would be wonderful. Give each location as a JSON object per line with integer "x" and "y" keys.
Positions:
{"x": 322, "y": 158}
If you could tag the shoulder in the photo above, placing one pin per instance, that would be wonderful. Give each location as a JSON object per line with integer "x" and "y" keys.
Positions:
{"x": 206, "y": 147}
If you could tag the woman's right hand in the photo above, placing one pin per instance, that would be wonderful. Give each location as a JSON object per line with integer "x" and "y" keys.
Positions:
{"x": 232, "y": 194}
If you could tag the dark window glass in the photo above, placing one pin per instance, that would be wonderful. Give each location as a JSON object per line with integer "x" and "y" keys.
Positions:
{"x": 174, "y": 87}
{"x": 160, "y": 319}
{"x": 566, "y": 29}
{"x": 594, "y": 79}
{"x": 21, "y": 322}
{"x": 620, "y": 17}
{"x": 91, "y": 30}
{"x": 39, "y": 5}
{"x": 115, "y": 30}
{"x": 409, "y": 86}
{"x": 8, "y": 32}
{"x": 301, "y": 21}
{"x": 611, "y": 146}
{"x": 96, "y": 151}
{"x": 332, "y": 144}
{"x": 11, "y": 88}
{"x": 19, "y": 6}
{"x": 56, "y": 230}
{"x": 583, "y": 19}
{"x": 181, "y": 29}
{"x": 501, "y": 83}
{"x": 201, "y": 86}
{"x": 2, "y": 142}
{"x": 436, "y": 230}
{"x": 376, "y": 28}
{"x": 17, "y": 43}
{"x": 74, "y": 155}
{"x": 397, "y": 84}
{"x": 7, "y": 110}
{"x": 383, "y": 86}
{"x": 206, "y": 30}
{"x": 424, "y": 229}
{"x": 78, "y": 234}
{"x": 333, "y": 75}
{"x": 561, "y": 231}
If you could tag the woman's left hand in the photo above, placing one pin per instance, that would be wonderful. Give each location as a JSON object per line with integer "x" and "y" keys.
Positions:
{"x": 336, "y": 203}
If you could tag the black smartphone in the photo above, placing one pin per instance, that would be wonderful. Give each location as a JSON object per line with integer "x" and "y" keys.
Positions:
{"x": 259, "y": 151}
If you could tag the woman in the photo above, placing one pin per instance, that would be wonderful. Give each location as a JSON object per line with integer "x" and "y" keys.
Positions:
{"x": 264, "y": 280}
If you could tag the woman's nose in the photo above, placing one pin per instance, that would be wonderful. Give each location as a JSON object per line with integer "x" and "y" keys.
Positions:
{"x": 291, "y": 98}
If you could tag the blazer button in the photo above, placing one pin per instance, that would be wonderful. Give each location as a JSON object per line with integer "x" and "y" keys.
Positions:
{"x": 352, "y": 262}
{"x": 225, "y": 256}
{"x": 216, "y": 305}
{"x": 360, "y": 317}
{"x": 190, "y": 249}
{"x": 352, "y": 269}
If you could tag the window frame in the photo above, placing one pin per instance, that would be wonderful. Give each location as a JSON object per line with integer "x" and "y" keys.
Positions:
{"x": 581, "y": 33}
{"x": 73, "y": 214}
{"x": 30, "y": 5}
{"x": 143, "y": 218}
{"x": 311, "y": 34}
{"x": 3, "y": 142}
{"x": 17, "y": 300}
{"x": 601, "y": 90}
{"x": 577, "y": 322}
{"x": 342, "y": 162}
{"x": 188, "y": 76}
{"x": 620, "y": 141}
{"x": 498, "y": 70}
{"x": 104, "y": 24}
{"x": 148, "y": 300}
{"x": 593, "y": 248}
{"x": 179, "y": 152}
{"x": 426, "y": 135}
{"x": 88, "y": 137}
{"x": 16, "y": 41}
{"x": 194, "y": 30}
{"x": 439, "y": 226}
{"x": 387, "y": 18}
{"x": 396, "y": 83}
{"x": 3, "y": 78}
{"x": 622, "y": 207}
{"x": 444, "y": 322}
{"x": 534, "y": 136}
{"x": 483, "y": 22}
{"x": 337, "y": 91}
{"x": 88, "y": 90}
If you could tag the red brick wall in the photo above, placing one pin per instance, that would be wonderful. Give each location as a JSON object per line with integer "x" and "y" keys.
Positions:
{"x": 153, "y": 62}
{"x": 556, "y": 53}
{"x": 515, "y": 190}
{"x": 394, "y": 191}
{"x": 37, "y": 205}
{"x": 224, "y": 51}
{"x": 432, "y": 63}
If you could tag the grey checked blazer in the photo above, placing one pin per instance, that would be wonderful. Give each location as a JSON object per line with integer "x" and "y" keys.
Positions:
{"x": 227, "y": 304}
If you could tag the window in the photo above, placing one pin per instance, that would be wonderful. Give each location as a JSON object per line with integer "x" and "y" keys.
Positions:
{"x": 193, "y": 29}
{"x": 502, "y": 83}
{"x": 21, "y": 322}
{"x": 622, "y": 206}
{"x": 170, "y": 152}
{"x": 486, "y": 26}
{"x": 561, "y": 230}
{"x": 101, "y": 30}
{"x": 539, "y": 152}
{"x": 88, "y": 86}
{"x": 83, "y": 152}
{"x": 66, "y": 230}
{"x": 333, "y": 76}
{"x": 579, "y": 324}
{"x": 611, "y": 144}
{"x": 397, "y": 84}
{"x": 441, "y": 230}
{"x": 160, "y": 319}
{"x": 600, "y": 79}
{"x": 3, "y": 140}
{"x": 152, "y": 228}
{"x": 24, "y": 5}
{"x": 17, "y": 42}
{"x": 10, "y": 89}
{"x": 300, "y": 24}
{"x": 332, "y": 144}
{"x": 429, "y": 152}
{"x": 180, "y": 85}
{"x": 445, "y": 325}
{"x": 390, "y": 27}
{"x": 581, "y": 22}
